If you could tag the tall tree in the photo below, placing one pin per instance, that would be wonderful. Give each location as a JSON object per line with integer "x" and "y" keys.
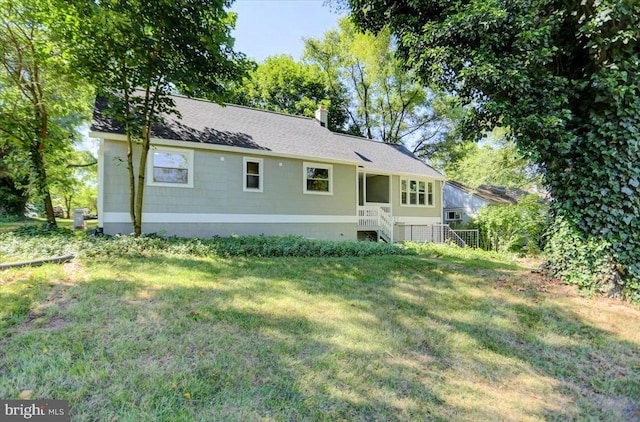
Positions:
{"x": 42, "y": 102}
{"x": 386, "y": 102}
{"x": 138, "y": 52}
{"x": 282, "y": 84}
{"x": 564, "y": 76}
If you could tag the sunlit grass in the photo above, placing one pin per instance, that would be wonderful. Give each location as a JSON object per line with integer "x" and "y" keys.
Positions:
{"x": 62, "y": 223}
{"x": 431, "y": 337}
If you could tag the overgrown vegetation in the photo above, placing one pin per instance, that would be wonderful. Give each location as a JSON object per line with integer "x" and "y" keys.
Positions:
{"x": 564, "y": 77}
{"x": 518, "y": 228}
{"x": 589, "y": 265}
{"x": 42, "y": 241}
{"x": 445, "y": 334}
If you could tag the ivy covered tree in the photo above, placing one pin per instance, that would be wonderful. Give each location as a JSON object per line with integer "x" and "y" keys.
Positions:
{"x": 564, "y": 76}
{"x": 139, "y": 52}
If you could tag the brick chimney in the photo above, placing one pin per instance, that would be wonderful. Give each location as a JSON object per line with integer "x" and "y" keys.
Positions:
{"x": 322, "y": 115}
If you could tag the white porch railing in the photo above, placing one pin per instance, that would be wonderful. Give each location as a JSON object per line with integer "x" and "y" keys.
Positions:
{"x": 440, "y": 233}
{"x": 376, "y": 218}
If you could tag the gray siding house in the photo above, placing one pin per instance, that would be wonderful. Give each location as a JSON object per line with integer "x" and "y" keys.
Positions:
{"x": 462, "y": 203}
{"x": 237, "y": 170}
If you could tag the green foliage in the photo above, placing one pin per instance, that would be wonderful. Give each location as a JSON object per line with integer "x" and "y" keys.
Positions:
{"x": 495, "y": 162}
{"x": 42, "y": 241}
{"x": 76, "y": 186}
{"x": 138, "y": 52}
{"x": 43, "y": 100}
{"x": 385, "y": 102}
{"x": 513, "y": 228}
{"x": 471, "y": 257}
{"x": 564, "y": 77}
{"x": 585, "y": 262}
{"x": 284, "y": 85}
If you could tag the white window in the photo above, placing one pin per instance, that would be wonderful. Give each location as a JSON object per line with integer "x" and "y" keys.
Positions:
{"x": 415, "y": 192}
{"x": 170, "y": 167}
{"x": 253, "y": 174}
{"x": 318, "y": 178}
{"x": 453, "y": 215}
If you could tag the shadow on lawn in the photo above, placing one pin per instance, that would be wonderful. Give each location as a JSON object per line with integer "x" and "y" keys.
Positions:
{"x": 589, "y": 366}
{"x": 368, "y": 338}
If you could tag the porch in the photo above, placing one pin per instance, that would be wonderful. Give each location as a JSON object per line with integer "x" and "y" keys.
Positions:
{"x": 378, "y": 219}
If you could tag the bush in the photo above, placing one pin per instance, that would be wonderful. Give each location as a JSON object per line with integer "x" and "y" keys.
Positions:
{"x": 587, "y": 263}
{"x": 513, "y": 228}
{"x": 38, "y": 242}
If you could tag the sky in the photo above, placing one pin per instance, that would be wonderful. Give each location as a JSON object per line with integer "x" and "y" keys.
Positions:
{"x": 268, "y": 27}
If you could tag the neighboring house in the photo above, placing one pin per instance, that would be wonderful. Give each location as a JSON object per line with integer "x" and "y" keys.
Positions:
{"x": 237, "y": 170}
{"x": 462, "y": 203}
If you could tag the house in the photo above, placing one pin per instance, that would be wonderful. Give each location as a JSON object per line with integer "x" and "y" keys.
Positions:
{"x": 236, "y": 170}
{"x": 462, "y": 203}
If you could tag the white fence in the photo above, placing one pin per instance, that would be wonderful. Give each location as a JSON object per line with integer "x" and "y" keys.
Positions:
{"x": 441, "y": 233}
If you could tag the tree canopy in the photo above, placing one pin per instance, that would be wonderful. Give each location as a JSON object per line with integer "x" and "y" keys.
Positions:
{"x": 385, "y": 101}
{"x": 139, "y": 52}
{"x": 564, "y": 77}
{"x": 495, "y": 161}
{"x": 42, "y": 100}
{"x": 282, "y": 84}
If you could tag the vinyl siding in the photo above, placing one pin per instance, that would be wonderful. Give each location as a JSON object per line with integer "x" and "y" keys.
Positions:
{"x": 430, "y": 215}
{"x": 218, "y": 189}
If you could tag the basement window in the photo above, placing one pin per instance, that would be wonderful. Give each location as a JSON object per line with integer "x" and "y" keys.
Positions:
{"x": 453, "y": 215}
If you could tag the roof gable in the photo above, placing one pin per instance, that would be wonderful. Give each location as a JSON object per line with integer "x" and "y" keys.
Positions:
{"x": 243, "y": 127}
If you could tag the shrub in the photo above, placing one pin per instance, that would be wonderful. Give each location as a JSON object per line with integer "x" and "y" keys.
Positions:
{"x": 513, "y": 228}
{"x": 37, "y": 242}
{"x": 586, "y": 262}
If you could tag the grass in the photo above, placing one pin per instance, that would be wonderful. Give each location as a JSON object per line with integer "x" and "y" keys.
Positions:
{"x": 6, "y": 226}
{"x": 443, "y": 335}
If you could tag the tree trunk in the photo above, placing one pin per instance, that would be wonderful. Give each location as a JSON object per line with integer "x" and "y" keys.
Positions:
{"x": 42, "y": 183}
{"x": 67, "y": 204}
{"x": 142, "y": 170}
{"x": 132, "y": 187}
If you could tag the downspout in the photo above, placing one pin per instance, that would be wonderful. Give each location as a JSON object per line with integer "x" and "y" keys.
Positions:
{"x": 442, "y": 182}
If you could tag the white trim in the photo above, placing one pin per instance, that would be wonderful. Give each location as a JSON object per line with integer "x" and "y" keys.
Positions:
{"x": 426, "y": 193}
{"x": 100, "y": 183}
{"x": 225, "y": 148}
{"x": 389, "y": 192}
{"x": 419, "y": 220}
{"x": 305, "y": 166}
{"x": 190, "y": 166}
{"x": 260, "y": 174}
{"x": 168, "y": 218}
{"x": 362, "y": 169}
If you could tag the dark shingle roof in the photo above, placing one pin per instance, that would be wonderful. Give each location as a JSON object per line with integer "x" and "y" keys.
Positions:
{"x": 206, "y": 122}
{"x": 493, "y": 194}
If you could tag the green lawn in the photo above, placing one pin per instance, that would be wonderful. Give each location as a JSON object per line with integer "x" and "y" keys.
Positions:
{"x": 427, "y": 337}
{"x": 62, "y": 222}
